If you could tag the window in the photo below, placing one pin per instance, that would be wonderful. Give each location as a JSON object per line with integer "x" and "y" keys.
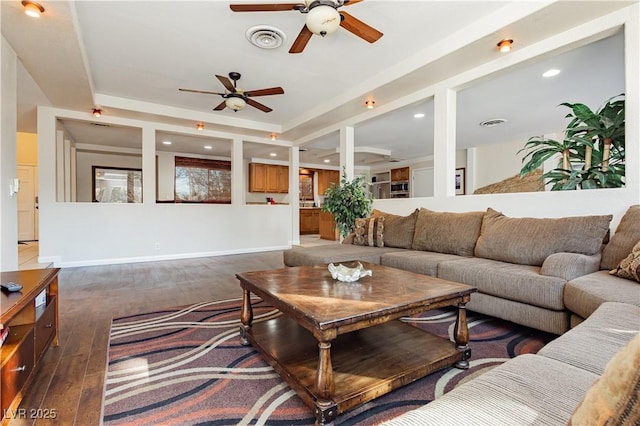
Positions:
{"x": 116, "y": 185}
{"x": 202, "y": 181}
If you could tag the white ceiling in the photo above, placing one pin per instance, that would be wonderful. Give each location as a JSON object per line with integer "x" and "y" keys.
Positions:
{"x": 134, "y": 55}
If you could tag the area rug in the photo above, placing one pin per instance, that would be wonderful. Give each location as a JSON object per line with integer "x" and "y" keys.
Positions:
{"x": 186, "y": 366}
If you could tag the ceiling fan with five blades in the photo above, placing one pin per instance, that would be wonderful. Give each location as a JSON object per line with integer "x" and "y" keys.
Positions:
{"x": 322, "y": 18}
{"x": 236, "y": 98}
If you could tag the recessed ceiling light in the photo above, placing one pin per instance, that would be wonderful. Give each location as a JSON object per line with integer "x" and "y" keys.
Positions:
{"x": 273, "y": 154}
{"x": 504, "y": 46}
{"x": 32, "y": 9}
{"x": 418, "y": 115}
{"x": 166, "y": 142}
{"x": 326, "y": 160}
{"x": 208, "y": 147}
{"x": 492, "y": 122}
{"x": 551, "y": 73}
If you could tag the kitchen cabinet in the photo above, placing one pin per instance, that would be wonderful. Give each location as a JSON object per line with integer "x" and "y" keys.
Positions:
{"x": 309, "y": 220}
{"x": 328, "y": 228}
{"x": 33, "y": 327}
{"x": 268, "y": 178}
{"x": 326, "y": 178}
{"x": 400, "y": 174}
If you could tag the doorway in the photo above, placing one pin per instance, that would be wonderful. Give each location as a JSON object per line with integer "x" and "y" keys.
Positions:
{"x": 28, "y": 203}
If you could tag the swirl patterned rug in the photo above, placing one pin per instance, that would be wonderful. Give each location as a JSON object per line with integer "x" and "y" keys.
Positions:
{"x": 186, "y": 366}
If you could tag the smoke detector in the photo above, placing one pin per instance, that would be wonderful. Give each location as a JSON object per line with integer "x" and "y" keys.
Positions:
{"x": 492, "y": 122}
{"x": 266, "y": 37}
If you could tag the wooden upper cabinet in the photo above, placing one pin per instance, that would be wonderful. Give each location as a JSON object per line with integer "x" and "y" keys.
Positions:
{"x": 268, "y": 178}
{"x": 283, "y": 179}
{"x": 326, "y": 178}
{"x": 400, "y": 174}
{"x": 257, "y": 177}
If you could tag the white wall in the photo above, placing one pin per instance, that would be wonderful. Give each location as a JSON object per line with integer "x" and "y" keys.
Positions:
{"x": 494, "y": 163}
{"x": 8, "y": 203}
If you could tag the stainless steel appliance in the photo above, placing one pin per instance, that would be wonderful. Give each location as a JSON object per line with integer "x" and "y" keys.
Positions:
{"x": 400, "y": 189}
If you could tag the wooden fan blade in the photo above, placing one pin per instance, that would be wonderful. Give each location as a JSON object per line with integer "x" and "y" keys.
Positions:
{"x": 258, "y": 105}
{"x": 201, "y": 91}
{"x": 221, "y": 106}
{"x": 359, "y": 28}
{"x": 350, "y": 2}
{"x": 273, "y": 7}
{"x": 301, "y": 41}
{"x": 226, "y": 83}
{"x": 265, "y": 92}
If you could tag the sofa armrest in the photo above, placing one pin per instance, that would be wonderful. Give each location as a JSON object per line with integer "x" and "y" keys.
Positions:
{"x": 570, "y": 265}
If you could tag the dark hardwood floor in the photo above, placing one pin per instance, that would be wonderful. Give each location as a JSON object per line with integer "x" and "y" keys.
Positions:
{"x": 71, "y": 377}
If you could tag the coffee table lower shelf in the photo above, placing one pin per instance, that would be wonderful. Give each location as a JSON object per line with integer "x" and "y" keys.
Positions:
{"x": 366, "y": 363}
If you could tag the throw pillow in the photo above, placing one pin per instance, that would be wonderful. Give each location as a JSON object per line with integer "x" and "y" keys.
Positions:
{"x": 369, "y": 232}
{"x": 398, "y": 230}
{"x": 447, "y": 232}
{"x": 613, "y": 398}
{"x": 626, "y": 235}
{"x": 529, "y": 241}
{"x": 629, "y": 267}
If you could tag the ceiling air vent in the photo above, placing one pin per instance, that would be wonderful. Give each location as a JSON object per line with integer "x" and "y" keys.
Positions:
{"x": 492, "y": 122}
{"x": 266, "y": 37}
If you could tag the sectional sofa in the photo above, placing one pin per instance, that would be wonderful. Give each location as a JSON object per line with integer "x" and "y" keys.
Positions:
{"x": 549, "y": 274}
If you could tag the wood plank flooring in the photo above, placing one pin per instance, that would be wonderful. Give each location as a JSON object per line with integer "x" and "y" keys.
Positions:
{"x": 71, "y": 377}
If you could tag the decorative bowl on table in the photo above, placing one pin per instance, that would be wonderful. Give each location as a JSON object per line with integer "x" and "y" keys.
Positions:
{"x": 345, "y": 274}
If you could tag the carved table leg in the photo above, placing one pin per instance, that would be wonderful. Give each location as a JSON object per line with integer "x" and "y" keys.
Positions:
{"x": 461, "y": 336}
{"x": 246, "y": 317}
{"x": 326, "y": 409}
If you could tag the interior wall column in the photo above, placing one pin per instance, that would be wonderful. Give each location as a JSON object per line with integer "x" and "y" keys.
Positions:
{"x": 238, "y": 184}
{"x": 148, "y": 165}
{"x": 294, "y": 193}
{"x": 347, "y": 152}
{"x": 444, "y": 142}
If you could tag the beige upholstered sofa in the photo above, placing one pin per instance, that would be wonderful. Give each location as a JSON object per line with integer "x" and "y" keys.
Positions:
{"x": 549, "y": 274}
{"x": 524, "y": 268}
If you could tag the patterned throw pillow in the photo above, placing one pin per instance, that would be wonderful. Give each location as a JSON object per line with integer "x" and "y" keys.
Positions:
{"x": 613, "y": 398}
{"x": 369, "y": 232}
{"x": 629, "y": 267}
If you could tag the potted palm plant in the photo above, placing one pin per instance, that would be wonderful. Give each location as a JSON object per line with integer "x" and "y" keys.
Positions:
{"x": 592, "y": 152}
{"x": 347, "y": 202}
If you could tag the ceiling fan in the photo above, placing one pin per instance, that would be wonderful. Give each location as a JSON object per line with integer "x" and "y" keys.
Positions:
{"x": 322, "y": 18}
{"x": 236, "y": 98}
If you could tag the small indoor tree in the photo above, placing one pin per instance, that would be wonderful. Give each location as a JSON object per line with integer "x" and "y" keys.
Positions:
{"x": 347, "y": 202}
{"x": 592, "y": 152}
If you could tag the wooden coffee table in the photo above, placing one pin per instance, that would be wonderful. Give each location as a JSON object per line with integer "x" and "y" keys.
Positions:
{"x": 338, "y": 344}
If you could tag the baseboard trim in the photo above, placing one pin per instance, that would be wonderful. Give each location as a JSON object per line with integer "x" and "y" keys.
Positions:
{"x": 58, "y": 263}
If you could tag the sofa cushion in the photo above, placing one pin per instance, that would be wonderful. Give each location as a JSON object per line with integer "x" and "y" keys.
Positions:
{"x": 613, "y": 398}
{"x": 522, "y": 283}
{"x": 446, "y": 232}
{"x": 526, "y": 390}
{"x": 369, "y": 232}
{"x": 627, "y": 234}
{"x": 584, "y": 294}
{"x": 529, "y": 241}
{"x": 298, "y": 256}
{"x": 592, "y": 343}
{"x": 629, "y": 267}
{"x": 570, "y": 265}
{"x": 420, "y": 262}
{"x": 398, "y": 230}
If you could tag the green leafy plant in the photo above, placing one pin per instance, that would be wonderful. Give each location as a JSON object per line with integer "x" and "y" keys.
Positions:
{"x": 592, "y": 154}
{"x": 347, "y": 202}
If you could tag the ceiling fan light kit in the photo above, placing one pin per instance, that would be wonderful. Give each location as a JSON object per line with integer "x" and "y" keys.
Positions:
{"x": 235, "y": 102}
{"x": 323, "y": 19}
